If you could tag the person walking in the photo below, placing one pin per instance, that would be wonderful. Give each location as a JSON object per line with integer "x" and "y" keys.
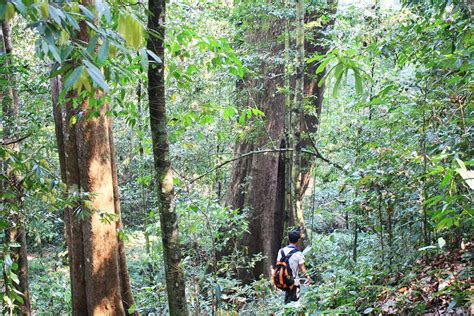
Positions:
{"x": 293, "y": 255}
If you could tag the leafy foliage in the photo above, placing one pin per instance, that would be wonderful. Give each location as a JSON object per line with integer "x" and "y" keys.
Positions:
{"x": 392, "y": 226}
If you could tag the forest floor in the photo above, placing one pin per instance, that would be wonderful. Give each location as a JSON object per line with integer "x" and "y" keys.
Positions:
{"x": 439, "y": 284}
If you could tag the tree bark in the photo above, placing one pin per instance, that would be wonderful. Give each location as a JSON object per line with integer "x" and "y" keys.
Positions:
{"x": 100, "y": 283}
{"x": 258, "y": 182}
{"x": 289, "y": 196}
{"x": 314, "y": 94}
{"x": 65, "y": 139}
{"x": 175, "y": 282}
{"x": 297, "y": 113}
{"x": 125, "y": 284}
{"x": 103, "y": 290}
{"x": 17, "y": 233}
{"x": 74, "y": 225}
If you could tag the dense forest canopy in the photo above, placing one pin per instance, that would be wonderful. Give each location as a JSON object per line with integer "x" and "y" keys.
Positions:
{"x": 155, "y": 154}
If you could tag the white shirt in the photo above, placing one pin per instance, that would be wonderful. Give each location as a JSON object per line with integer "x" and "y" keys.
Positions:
{"x": 296, "y": 259}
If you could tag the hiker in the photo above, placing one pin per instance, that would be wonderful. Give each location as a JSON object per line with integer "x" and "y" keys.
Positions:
{"x": 290, "y": 258}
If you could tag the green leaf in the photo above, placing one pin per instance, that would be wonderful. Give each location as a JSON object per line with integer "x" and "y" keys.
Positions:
{"x": 103, "y": 52}
{"x": 72, "y": 78}
{"x": 358, "y": 81}
{"x": 92, "y": 44}
{"x": 338, "y": 81}
{"x": 19, "y": 6}
{"x": 446, "y": 222}
{"x": 314, "y": 58}
{"x": 323, "y": 64}
{"x": 257, "y": 112}
{"x": 103, "y": 9}
{"x": 60, "y": 71}
{"x": 72, "y": 21}
{"x": 14, "y": 278}
{"x": 229, "y": 112}
{"x": 154, "y": 56}
{"x": 433, "y": 200}
{"x": 3, "y": 9}
{"x": 143, "y": 59}
{"x": 96, "y": 75}
{"x": 446, "y": 180}
{"x": 88, "y": 13}
{"x": 55, "y": 53}
{"x": 66, "y": 52}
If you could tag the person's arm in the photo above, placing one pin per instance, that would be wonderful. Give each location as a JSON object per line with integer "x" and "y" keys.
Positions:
{"x": 305, "y": 272}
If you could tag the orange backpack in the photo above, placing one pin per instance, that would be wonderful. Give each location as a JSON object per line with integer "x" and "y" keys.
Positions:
{"x": 282, "y": 274}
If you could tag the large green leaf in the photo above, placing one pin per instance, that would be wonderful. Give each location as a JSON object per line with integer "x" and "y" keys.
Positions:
{"x": 72, "y": 78}
{"x": 96, "y": 75}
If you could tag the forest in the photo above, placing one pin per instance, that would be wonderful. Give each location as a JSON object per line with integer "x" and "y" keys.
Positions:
{"x": 155, "y": 155}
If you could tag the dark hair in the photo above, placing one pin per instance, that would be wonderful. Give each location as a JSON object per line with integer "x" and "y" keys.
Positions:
{"x": 294, "y": 236}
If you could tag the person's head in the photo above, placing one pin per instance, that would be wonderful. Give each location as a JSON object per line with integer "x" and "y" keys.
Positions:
{"x": 294, "y": 236}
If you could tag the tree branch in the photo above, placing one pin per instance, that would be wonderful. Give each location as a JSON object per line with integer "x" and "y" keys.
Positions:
{"x": 13, "y": 140}
{"x": 264, "y": 151}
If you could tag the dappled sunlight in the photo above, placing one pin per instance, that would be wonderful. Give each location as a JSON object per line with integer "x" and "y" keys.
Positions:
{"x": 266, "y": 157}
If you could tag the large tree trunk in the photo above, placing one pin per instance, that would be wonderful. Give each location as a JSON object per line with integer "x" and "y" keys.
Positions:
{"x": 65, "y": 138}
{"x": 125, "y": 284}
{"x": 314, "y": 94}
{"x": 103, "y": 291}
{"x": 175, "y": 283}
{"x": 258, "y": 181}
{"x": 16, "y": 234}
{"x": 99, "y": 278}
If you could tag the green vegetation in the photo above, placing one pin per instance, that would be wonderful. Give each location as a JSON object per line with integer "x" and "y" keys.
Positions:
{"x": 354, "y": 124}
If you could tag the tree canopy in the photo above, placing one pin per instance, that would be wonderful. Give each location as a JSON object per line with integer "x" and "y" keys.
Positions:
{"x": 155, "y": 154}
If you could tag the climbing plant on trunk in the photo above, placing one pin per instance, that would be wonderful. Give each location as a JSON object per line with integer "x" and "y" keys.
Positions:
{"x": 16, "y": 287}
{"x": 175, "y": 283}
{"x": 265, "y": 185}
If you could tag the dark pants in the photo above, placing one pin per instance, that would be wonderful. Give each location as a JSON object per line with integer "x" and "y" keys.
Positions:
{"x": 292, "y": 295}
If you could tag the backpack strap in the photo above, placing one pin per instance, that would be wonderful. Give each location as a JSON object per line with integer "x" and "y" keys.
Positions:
{"x": 288, "y": 256}
{"x": 282, "y": 255}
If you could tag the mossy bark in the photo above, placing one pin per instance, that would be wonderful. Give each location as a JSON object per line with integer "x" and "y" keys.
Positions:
{"x": 175, "y": 283}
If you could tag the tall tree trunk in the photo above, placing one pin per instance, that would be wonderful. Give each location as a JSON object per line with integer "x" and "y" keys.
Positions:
{"x": 175, "y": 283}
{"x": 17, "y": 233}
{"x": 65, "y": 139}
{"x": 125, "y": 285}
{"x": 99, "y": 278}
{"x": 258, "y": 181}
{"x": 103, "y": 290}
{"x": 289, "y": 211}
{"x": 298, "y": 112}
{"x": 315, "y": 43}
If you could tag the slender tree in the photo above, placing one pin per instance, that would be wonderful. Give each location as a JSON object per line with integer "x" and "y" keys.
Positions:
{"x": 175, "y": 282}
{"x": 15, "y": 234}
{"x": 297, "y": 113}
